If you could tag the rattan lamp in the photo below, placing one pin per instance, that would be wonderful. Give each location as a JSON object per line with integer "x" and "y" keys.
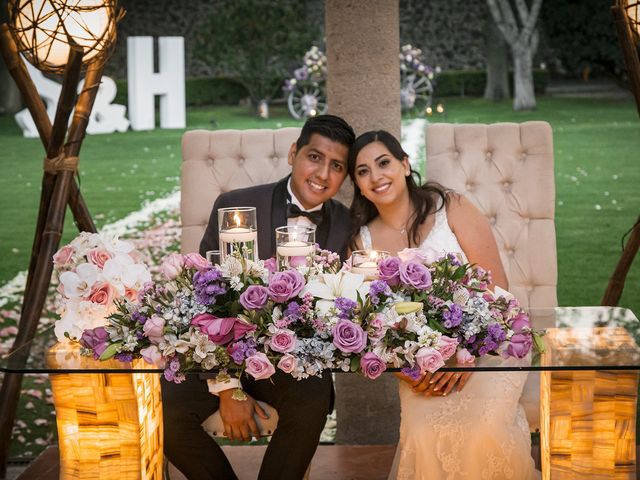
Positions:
{"x": 57, "y": 36}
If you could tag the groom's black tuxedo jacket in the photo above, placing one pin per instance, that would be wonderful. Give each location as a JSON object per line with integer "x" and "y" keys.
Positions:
{"x": 270, "y": 201}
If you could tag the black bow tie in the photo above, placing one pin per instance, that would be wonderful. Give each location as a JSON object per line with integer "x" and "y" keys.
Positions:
{"x": 295, "y": 211}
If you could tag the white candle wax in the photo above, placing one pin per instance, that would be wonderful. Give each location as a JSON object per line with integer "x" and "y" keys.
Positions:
{"x": 295, "y": 249}
{"x": 238, "y": 234}
{"x": 368, "y": 269}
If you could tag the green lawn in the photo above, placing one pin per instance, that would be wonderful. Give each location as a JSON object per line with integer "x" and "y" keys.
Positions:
{"x": 597, "y": 177}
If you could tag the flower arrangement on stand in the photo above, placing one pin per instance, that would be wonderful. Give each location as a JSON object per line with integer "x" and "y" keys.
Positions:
{"x": 94, "y": 272}
{"x": 313, "y": 70}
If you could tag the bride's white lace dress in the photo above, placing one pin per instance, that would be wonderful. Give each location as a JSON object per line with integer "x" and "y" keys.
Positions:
{"x": 478, "y": 433}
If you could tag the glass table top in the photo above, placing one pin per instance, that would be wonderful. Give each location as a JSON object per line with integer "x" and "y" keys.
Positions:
{"x": 577, "y": 338}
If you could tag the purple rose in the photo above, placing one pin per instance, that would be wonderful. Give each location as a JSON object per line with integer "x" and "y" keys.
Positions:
{"x": 259, "y": 366}
{"x": 96, "y": 340}
{"x": 429, "y": 359}
{"x": 415, "y": 275}
{"x": 283, "y": 341}
{"x": 372, "y": 366}
{"x": 520, "y": 322}
{"x": 389, "y": 269}
{"x": 348, "y": 337}
{"x": 519, "y": 345}
{"x": 255, "y": 297}
{"x": 285, "y": 285}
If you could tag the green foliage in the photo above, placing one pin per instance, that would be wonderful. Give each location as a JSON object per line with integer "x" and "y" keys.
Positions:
{"x": 200, "y": 91}
{"x": 472, "y": 82}
{"x": 255, "y": 42}
{"x": 583, "y": 35}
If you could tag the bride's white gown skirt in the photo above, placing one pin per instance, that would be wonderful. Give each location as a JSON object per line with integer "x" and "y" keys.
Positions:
{"x": 479, "y": 433}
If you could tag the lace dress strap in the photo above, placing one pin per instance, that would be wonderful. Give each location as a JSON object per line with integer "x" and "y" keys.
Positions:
{"x": 365, "y": 237}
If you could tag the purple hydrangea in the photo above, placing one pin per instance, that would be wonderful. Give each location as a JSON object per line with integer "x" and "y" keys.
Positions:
{"x": 452, "y": 316}
{"x": 293, "y": 311}
{"x": 138, "y": 317}
{"x": 496, "y": 333}
{"x": 345, "y": 307}
{"x": 242, "y": 349}
{"x": 208, "y": 285}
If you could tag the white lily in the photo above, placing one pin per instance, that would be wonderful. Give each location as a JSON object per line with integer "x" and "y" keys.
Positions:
{"x": 114, "y": 245}
{"x": 330, "y": 286}
{"x": 78, "y": 284}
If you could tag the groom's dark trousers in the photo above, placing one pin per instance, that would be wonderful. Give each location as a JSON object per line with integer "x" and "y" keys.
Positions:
{"x": 302, "y": 405}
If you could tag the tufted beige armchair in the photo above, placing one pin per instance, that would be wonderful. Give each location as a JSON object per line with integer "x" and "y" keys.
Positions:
{"x": 219, "y": 161}
{"x": 506, "y": 170}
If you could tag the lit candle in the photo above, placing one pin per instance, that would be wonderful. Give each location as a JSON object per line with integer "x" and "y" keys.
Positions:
{"x": 295, "y": 248}
{"x": 238, "y": 234}
{"x": 366, "y": 263}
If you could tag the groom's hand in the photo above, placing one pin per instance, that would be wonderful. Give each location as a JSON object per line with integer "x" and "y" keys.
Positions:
{"x": 237, "y": 416}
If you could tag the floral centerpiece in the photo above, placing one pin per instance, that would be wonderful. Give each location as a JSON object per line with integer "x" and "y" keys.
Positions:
{"x": 313, "y": 70}
{"x": 238, "y": 316}
{"x": 426, "y": 308}
{"x": 94, "y": 271}
{"x": 412, "y": 60}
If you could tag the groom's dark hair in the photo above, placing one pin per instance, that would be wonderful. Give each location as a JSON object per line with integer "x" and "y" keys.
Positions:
{"x": 330, "y": 126}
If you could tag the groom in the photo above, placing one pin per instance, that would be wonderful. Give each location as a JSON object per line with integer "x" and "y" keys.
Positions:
{"x": 318, "y": 162}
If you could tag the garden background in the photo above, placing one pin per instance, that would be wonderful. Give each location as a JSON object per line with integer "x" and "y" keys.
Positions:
{"x": 130, "y": 180}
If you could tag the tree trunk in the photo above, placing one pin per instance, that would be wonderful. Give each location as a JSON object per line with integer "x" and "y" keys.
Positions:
{"x": 10, "y": 101}
{"x": 524, "y": 96}
{"x": 497, "y": 54}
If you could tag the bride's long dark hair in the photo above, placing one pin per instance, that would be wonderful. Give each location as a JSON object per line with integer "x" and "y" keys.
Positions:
{"x": 424, "y": 198}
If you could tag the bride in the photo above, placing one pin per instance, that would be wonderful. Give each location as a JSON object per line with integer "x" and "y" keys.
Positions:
{"x": 453, "y": 425}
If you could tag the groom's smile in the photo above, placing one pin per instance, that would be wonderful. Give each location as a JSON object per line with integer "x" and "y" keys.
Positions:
{"x": 317, "y": 170}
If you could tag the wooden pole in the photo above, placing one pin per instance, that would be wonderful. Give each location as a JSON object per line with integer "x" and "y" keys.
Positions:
{"x": 616, "y": 284}
{"x": 50, "y": 223}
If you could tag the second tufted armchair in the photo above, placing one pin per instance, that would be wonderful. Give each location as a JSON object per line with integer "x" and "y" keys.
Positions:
{"x": 506, "y": 170}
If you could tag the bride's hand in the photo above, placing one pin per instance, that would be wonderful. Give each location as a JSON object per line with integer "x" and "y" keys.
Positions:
{"x": 420, "y": 385}
{"x": 443, "y": 383}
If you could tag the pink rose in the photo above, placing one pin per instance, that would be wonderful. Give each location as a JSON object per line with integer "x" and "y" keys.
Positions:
{"x": 154, "y": 328}
{"x": 172, "y": 265}
{"x": 283, "y": 341}
{"x": 153, "y": 356}
{"x": 197, "y": 261}
{"x": 288, "y": 363}
{"x": 64, "y": 255}
{"x": 131, "y": 294}
{"x": 447, "y": 347}
{"x": 429, "y": 359}
{"x": 389, "y": 269}
{"x": 464, "y": 357}
{"x": 98, "y": 257}
{"x": 221, "y": 330}
{"x": 285, "y": 285}
{"x": 372, "y": 366}
{"x": 271, "y": 265}
{"x": 423, "y": 255}
{"x": 377, "y": 329}
{"x": 259, "y": 366}
{"x": 102, "y": 293}
{"x": 415, "y": 275}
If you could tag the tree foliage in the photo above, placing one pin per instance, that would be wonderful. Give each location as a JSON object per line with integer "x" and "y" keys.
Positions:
{"x": 583, "y": 35}
{"x": 256, "y": 42}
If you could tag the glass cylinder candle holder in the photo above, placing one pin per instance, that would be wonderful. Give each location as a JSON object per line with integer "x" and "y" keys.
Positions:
{"x": 213, "y": 257}
{"x": 365, "y": 262}
{"x": 295, "y": 246}
{"x": 238, "y": 231}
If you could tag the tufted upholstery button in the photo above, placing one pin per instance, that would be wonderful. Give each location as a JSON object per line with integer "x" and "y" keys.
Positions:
{"x": 469, "y": 186}
{"x": 241, "y": 161}
{"x": 456, "y": 154}
{"x": 210, "y": 162}
{"x": 526, "y": 220}
{"x": 510, "y": 251}
{"x": 523, "y": 156}
{"x": 492, "y": 219}
{"x": 529, "y": 288}
{"x": 488, "y": 154}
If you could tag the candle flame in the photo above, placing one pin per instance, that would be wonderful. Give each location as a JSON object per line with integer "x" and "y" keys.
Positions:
{"x": 373, "y": 255}
{"x": 236, "y": 218}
